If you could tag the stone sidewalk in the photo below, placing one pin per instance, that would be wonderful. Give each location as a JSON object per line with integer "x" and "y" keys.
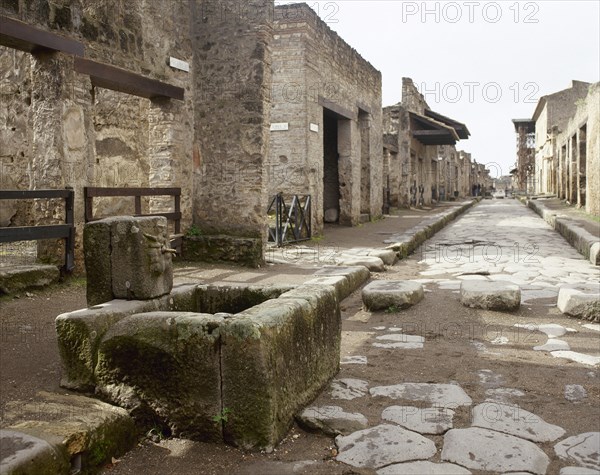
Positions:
{"x": 578, "y": 228}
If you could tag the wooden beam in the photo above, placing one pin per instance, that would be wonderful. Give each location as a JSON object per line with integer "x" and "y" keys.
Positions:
{"x": 117, "y": 79}
{"x": 18, "y": 35}
{"x": 339, "y": 110}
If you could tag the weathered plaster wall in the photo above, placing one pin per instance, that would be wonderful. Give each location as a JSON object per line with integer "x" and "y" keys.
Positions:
{"x": 312, "y": 64}
{"x": 72, "y": 134}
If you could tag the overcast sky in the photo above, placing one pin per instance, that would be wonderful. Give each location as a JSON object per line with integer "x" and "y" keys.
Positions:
{"x": 482, "y": 63}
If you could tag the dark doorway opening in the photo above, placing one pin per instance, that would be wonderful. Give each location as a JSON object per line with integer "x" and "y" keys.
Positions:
{"x": 582, "y": 165}
{"x": 331, "y": 178}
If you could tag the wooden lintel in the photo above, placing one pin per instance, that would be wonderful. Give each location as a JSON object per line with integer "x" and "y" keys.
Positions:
{"x": 339, "y": 110}
{"x": 110, "y": 77}
{"x": 18, "y": 35}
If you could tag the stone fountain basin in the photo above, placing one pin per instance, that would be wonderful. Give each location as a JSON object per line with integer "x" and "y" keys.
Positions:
{"x": 213, "y": 363}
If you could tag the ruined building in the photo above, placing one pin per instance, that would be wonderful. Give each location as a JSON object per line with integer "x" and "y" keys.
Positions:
{"x": 231, "y": 101}
{"x": 563, "y": 135}
{"x": 325, "y": 120}
{"x": 420, "y": 157}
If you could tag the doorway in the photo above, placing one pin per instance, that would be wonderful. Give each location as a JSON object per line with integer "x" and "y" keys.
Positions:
{"x": 331, "y": 180}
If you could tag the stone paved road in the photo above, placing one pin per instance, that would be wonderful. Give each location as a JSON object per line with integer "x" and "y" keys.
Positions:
{"x": 486, "y": 392}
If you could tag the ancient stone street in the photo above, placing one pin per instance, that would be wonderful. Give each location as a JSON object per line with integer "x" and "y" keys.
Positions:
{"x": 467, "y": 379}
{"x": 443, "y": 386}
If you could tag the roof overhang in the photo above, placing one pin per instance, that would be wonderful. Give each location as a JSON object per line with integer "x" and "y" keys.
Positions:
{"x": 431, "y": 132}
{"x": 528, "y": 124}
{"x": 460, "y": 128}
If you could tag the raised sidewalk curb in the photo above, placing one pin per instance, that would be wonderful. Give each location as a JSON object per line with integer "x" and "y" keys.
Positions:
{"x": 406, "y": 243}
{"x": 581, "y": 239}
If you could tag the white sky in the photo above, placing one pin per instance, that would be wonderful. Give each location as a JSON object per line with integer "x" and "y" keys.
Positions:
{"x": 532, "y": 49}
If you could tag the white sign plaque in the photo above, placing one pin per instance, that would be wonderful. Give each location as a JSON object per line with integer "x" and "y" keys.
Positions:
{"x": 179, "y": 64}
{"x": 314, "y": 127}
{"x": 280, "y": 126}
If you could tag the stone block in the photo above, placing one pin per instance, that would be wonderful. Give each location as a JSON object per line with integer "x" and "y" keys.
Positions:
{"x": 15, "y": 279}
{"x": 164, "y": 366}
{"x": 388, "y": 257}
{"x": 96, "y": 253}
{"x": 126, "y": 258}
{"x": 140, "y": 269}
{"x": 246, "y": 251}
{"x": 78, "y": 427}
{"x": 490, "y": 295}
{"x": 275, "y": 359}
{"x": 374, "y": 264}
{"x": 80, "y": 332}
{"x": 383, "y": 294}
{"x": 345, "y": 279}
{"x": 580, "y": 301}
{"x": 332, "y": 420}
{"x": 24, "y": 454}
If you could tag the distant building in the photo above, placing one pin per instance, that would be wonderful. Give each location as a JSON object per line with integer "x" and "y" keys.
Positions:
{"x": 419, "y": 148}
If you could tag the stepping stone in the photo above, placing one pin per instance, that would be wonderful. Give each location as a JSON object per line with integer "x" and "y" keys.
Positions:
{"x": 383, "y": 294}
{"x": 374, "y": 264}
{"x": 490, "y": 379}
{"x": 354, "y": 360}
{"x": 575, "y": 392}
{"x": 407, "y": 342}
{"x": 577, "y": 357}
{"x": 513, "y": 420}
{"x": 332, "y": 420}
{"x": 490, "y": 295}
{"x": 580, "y": 301}
{"x": 445, "y": 395}
{"x": 383, "y": 445}
{"x": 578, "y": 471}
{"x": 348, "y": 389}
{"x": 434, "y": 420}
{"x": 423, "y": 468}
{"x": 491, "y": 451}
{"x": 584, "y": 449}
{"x": 553, "y": 344}
{"x": 503, "y": 395}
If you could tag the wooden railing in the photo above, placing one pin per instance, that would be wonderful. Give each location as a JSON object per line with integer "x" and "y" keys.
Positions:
{"x": 175, "y": 216}
{"x": 35, "y": 233}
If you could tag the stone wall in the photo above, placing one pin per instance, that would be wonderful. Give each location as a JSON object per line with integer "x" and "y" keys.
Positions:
{"x": 583, "y": 130}
{"x": 233, "y": 78}
{"x": 315, "y": 70}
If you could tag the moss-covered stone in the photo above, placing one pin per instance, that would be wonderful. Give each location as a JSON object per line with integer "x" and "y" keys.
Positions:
{"x": 234, "y": 298}
{"x": 79, "y": 333}
{"x": 16, "y": 279}
{"x": 275, "y": 358}
{"x": 247, "y": 251}
{"x": 164, "y": 367}
{"x": 76, "y": 426}
{"x": 96, "y": 252}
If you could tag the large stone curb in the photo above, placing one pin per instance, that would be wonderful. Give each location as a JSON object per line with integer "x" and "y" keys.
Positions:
{"x": 61, "y": 434}
{"x": 581, "y": 239}
{"x": 408, "y": 242}
{"x": 18, "y": 278}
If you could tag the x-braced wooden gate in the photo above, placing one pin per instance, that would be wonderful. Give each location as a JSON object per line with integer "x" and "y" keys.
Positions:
{"x": 293, "y": 222}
